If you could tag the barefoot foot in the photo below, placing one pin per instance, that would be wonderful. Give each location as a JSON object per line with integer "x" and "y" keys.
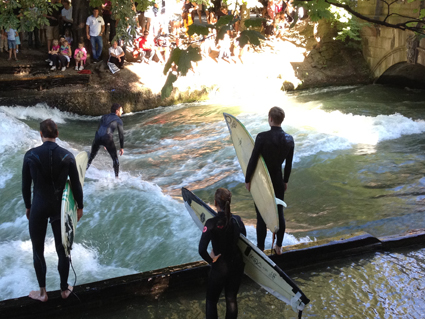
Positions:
{"x": 278, "y": 250}
{"x": 65, "y": 294}
{"x": 38, "y": 295}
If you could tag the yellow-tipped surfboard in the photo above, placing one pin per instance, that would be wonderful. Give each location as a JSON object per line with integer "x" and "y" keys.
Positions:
{"x": 262, "y": 190}
{"x": 69, "y": 206}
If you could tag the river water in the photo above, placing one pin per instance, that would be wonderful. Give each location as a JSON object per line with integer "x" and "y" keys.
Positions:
{"x": 359, "y": 166}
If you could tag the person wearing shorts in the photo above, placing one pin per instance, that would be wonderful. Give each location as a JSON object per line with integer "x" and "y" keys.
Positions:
{"x": 52, "y": 30}
{"x": 11, "y": 42}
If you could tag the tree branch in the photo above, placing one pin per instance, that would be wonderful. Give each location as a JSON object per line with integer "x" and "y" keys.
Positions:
{"x": 402, "y": 26}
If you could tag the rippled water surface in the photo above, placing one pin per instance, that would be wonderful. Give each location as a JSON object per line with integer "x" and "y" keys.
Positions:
{"x": 359, "y": 165}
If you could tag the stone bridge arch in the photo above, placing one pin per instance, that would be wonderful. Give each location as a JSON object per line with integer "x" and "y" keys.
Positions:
{"x": 393, "y": 57}
{"x": 383, "y": 48}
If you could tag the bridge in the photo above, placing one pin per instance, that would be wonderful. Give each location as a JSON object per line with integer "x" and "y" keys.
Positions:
{"x": 391, "y": 51}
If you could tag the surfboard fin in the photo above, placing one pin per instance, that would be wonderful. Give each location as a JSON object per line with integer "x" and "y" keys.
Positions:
{"x": 280, "y": 202}
{"x": 297, "y": 305}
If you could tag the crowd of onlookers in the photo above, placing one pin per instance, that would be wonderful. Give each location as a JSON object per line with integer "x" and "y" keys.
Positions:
{"x": 161, "y": 28}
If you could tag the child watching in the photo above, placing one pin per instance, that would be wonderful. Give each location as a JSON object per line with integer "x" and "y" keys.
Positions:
{"x": 11, "y": 36}
{"x": 65, "y": 55}
{"x": 54, "y": 55}
{"x": 68, "y": 36}
{"x": 80, "y": 56}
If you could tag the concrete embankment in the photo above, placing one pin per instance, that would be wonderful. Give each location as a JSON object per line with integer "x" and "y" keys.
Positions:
{"x": 151, "y": 286}
{"x": 307, "y": 57}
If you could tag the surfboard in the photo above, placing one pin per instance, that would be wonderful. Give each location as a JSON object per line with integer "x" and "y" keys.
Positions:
{"x": 262, "y": 190}
{"x": 258, "y": 266}
{"x": 69, "y": 206}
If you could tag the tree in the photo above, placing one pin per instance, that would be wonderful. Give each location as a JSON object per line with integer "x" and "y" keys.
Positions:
{"x": 319, "y": 9}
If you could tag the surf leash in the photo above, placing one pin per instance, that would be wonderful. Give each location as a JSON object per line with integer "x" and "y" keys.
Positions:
{"x": 75, "y": 277}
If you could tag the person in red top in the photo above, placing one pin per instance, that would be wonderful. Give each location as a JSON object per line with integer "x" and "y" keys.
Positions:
{"x": 144, "y": 48}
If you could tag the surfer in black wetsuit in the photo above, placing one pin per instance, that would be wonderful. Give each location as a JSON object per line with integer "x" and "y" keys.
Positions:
{"x": 48, "y": 167}
{"x": 225, "y": 259}
{"x": 104, "y": 136}
{"x": 275, "y": 146}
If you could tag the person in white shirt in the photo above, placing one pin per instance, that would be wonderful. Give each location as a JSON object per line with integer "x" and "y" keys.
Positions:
{"x": 66, "y": 15}
{"x": 116, "y": 55}
{"x": 95, "y": 27}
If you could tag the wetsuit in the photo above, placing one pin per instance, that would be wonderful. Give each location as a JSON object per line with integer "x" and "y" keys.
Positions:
{"x": 48, "y": 167}
{"x": 227, "y": 271}
{"x": 275, "y": 146}
{"x": 104, "y": 136}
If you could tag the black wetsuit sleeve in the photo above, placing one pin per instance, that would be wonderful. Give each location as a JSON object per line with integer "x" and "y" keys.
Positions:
{"x": 100, "y": 123}
{"x": 252, "y": 164}
{"x": 77, "y": 190}
{"x": 26, "y": 183}
{"x": 121, "y": 133}
{"x": 288, "y": 165}
{"x": 203, "y": 243}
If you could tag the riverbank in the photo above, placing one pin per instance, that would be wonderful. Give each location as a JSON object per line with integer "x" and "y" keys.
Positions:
{"x": 305, "y": 58}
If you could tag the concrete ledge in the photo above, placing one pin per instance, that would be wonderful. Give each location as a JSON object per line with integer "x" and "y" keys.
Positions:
{"x": 152, "y": 285}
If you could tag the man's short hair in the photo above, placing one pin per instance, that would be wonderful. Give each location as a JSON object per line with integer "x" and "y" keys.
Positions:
{"x": 277, "y": 115}
{"x": 49, "y": 129}
{"x": 96, "y": 8}
{"x": 65, "y": 1}
{"x": 115, "y": 107}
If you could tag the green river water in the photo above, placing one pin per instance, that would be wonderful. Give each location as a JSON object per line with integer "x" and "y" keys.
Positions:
{"x": 359, "y": 166}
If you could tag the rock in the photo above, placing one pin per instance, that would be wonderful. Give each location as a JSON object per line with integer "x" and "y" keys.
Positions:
{"x": 287, "y": 86}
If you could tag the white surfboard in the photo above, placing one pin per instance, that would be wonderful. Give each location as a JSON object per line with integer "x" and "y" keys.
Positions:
{"x": 262, "y": 190}
{"x": 258, "y": 266}
{"x": 69, "y": 206}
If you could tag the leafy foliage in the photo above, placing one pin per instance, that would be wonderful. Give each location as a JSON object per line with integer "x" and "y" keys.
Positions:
{"x": 197, "y": 28}
{"x": 250, "y": 36}
{"x": 30, "y": 14}
{"x": 168, "y": 86}
{"x": 254, "y": 22}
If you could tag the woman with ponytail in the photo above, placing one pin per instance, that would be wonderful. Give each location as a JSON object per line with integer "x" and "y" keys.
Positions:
{"x": 225, "y": 258}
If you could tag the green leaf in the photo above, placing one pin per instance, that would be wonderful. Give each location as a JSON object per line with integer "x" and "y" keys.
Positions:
{"x": 222, "y": 32}
{"x": 174, "y": 57}
{"x": 224, "y": 20}
{"x": 186, "y": 57}
{"x": 422, "y": 14}
{"x": 198, "y": 29}
{"x": 254, "y": 22}
{"x": 250, "y": 36}
{"x": 168, "y": 86}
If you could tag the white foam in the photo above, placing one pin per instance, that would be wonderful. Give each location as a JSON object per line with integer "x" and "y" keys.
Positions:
{"x": 42, "y": 111}
{"x": 17, "y": 274}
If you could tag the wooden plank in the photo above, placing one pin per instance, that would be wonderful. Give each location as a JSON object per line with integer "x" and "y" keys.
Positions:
{"x": 43, "y": 82}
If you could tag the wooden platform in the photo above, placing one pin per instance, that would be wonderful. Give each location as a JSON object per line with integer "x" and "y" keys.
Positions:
{"x": 38, "y": 77}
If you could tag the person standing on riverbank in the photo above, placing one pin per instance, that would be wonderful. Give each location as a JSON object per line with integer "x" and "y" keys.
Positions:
{"x": 48, "y": 167}
{"x": 226, "y": 258}
{"x": 104, "y": 136}
{"x": 276, "y": 146}
{"x": 95, "y": 27}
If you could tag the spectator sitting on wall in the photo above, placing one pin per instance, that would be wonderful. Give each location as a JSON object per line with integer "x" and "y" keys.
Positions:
{"x": 116, "y": 55}
{"x": 80, "y": 56}
{"x": 162, "y": 48}
{"x": 144, "y": 48}
{"x": 54, "y": 55}
{"x": 65, "y": 55}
